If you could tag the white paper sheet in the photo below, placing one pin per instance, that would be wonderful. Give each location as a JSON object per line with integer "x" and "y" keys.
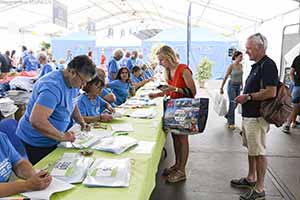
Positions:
{"x": 144, "y": 147}
{"x": 143, "y": 113}
{"x": 121, "y": 127}
{"x": 55, "y": 186}
{"x": 115, "y": 144}
{"x": 109, "y": 173}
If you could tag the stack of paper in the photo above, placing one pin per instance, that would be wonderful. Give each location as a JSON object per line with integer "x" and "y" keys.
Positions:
{"x": 119, "y": 113}
{"x": 143, "y": 113}
{"x": 109, "y": 173}
{"x": 71, "y": 168}
{"x": 115, "y": 144}
{"x": 85, "y": 139}
{"x": 125, "y": 127}
{"x": 144, "y": 147}
{"x": 55, "y": 186}
{"x": 139, "y": 102}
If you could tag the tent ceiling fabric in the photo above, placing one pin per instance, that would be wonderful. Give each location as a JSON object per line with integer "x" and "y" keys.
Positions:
{"x": 225, "y": 17}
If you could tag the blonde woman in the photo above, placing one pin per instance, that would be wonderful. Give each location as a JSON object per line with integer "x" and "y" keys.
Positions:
{"x": 180, "y": 84}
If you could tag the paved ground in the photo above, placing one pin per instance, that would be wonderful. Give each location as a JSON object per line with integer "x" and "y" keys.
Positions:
{"x": 217, "y": 156}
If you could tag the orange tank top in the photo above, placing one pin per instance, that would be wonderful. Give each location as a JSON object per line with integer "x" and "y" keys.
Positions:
{"x": 178, "y": 81}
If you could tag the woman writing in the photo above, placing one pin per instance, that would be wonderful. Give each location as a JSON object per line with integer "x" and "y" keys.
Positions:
{"x": 91, "y": 105}
{"x": 51, "y": 107}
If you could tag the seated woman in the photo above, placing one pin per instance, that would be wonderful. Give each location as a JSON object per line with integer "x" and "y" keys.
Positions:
{"x": 138, "y": 80}
{"x": 91, "y": 105}
{"x": 106, "y": 93}
{"x": 148, "y": 72}
{"x": 122, "y": 86}
{"x": 10, "y": 160}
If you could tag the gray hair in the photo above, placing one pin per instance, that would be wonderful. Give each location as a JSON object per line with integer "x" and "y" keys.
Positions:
{"x": 260, "y": 40}
{"x": 118, "y": 52}
{"x": 83, "y": 64}
{"x": 42, "y": 55}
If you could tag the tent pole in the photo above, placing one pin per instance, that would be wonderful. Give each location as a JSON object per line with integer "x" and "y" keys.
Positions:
{"x": 281, "y": 70}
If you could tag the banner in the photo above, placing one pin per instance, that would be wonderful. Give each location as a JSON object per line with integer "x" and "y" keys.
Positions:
{"x": 60, "y": 14}
{"x": 91, "y": 28}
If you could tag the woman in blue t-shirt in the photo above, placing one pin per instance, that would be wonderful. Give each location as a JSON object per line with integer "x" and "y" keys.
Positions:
{"x": 10, "y": 160}
{"x": 52, "y": 105}
{"x": 137, "y": 79}
{"x": 91, "y": 105}
{"x": 122, "y": 86}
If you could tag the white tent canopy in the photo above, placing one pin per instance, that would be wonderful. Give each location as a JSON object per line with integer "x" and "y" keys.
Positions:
{"x": 26, "y": 21}
{"x": 224, "y": 16}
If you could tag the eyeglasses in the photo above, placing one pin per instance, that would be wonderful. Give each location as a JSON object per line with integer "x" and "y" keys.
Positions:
{"x": 81, "y": 78}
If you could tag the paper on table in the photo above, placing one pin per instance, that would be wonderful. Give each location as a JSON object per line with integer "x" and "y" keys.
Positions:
{"x": 121, "y": 127}
{"x": 143, "y": 113}
{"x": 143, "y": 147}
{"x": 101, "y": 133}
{"x": 55, "y": 186}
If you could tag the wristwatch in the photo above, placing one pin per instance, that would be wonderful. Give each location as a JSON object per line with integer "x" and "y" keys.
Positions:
{"x": 249, "y": 97}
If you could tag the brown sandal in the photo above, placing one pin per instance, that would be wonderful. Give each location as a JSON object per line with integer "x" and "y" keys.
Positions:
{"x": 168, "y": 171}
{"x": 176, "y": 176}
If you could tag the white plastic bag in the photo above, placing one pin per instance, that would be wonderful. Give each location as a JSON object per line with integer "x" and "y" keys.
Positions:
{"x": 239, "y": 106}
{"x": 220, "y": 104}
{"x": 115, "y": 144}
{"x": 108, "y": 173}
{"x": 71, "y": 168}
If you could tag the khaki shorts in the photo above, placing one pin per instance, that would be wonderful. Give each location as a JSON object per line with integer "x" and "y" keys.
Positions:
{"x": 254, "y": 135}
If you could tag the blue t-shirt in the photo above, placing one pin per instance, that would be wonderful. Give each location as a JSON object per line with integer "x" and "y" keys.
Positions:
{"x": 120, "y": 89}
{"x": 52, "y": 92}
{"x": 113, "y": 67}
{"x": 148, "y": 73}
{"x": 45, "y": 70}
{"x": 89, "y": 107}
{"x": 8, "y": 158}
{"x": 31, "y": 63}
{"x": 105, "y": 91}
{"x": 140, "y": 62}
{"x": 123, "y": 62}
{"x": 135, "y": 79}
{"x": 131, "y": 63}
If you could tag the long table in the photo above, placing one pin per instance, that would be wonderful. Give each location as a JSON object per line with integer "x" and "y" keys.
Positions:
{"x": 143, "y": 166}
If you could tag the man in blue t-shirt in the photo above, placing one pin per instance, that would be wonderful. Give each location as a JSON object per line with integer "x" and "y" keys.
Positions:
{"x": 51, "y": 107}
{"x": 30, "y": 62}
{"x": 44, "y": 65}
{"x": 10, "y": 161}
{"x": 261, "y": 85}
{"x": 113, "y": 64}
{"x": 123, "y": 62}
{"x": 131, "y": 62}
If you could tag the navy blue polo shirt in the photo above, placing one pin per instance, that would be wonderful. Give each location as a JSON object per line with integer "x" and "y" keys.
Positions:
{"x": 265, "y": 70}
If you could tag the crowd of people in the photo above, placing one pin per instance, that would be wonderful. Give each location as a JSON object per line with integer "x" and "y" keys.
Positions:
{"x": 82, "y": 93}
